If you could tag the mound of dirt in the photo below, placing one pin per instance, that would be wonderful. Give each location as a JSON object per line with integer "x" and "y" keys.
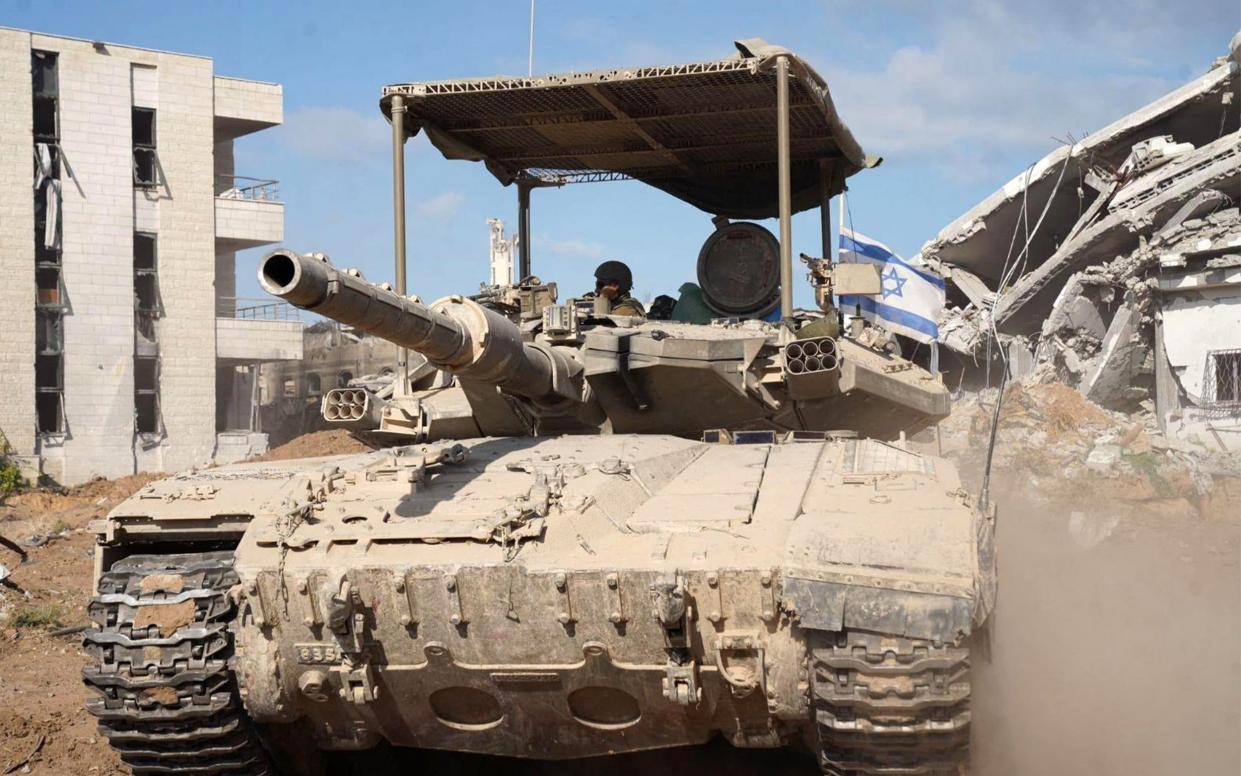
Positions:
{"x": 315, "y": 445}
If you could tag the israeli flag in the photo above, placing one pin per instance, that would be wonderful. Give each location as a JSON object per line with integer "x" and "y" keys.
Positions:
{"x": 911, "y": 297}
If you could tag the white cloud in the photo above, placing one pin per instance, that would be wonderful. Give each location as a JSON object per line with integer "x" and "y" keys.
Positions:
{"x": 992, "y": 81}
{"x": 571, "y": 248}
{"x": 336, "y": 134}
{"x": 440, "y": 207}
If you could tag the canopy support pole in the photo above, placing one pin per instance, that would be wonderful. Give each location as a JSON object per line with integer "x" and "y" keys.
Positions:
{"x": 397, "y": 111}
{"x": 784, "y": 183}
{"x": 523, "y": 230}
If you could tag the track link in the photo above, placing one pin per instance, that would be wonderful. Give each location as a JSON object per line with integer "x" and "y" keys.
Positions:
{"x": 167, "y": 701}
{"x": 889, "y": 706}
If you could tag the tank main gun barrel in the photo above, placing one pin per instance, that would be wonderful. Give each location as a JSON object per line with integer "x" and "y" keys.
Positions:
{"x": 454, "y": 333}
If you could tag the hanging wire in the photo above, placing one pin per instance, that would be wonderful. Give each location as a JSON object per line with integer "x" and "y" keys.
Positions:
{"x": 1007, "y": 274}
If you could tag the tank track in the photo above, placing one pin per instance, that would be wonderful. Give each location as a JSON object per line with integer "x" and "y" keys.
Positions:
{"x": 889, "y": 706}
{"x": 167, "y": 702}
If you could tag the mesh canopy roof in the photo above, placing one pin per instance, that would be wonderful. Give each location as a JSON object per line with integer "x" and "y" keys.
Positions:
{"x": 703, "y": 132}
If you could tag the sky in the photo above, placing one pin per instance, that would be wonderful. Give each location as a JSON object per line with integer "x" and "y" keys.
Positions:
{"x": 957, "y": 96}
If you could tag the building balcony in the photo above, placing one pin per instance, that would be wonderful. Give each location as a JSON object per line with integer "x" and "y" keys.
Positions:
{"x": 254, "y": 330}
{"x": 248, "y": 212}
{"x": 242, "y": 107}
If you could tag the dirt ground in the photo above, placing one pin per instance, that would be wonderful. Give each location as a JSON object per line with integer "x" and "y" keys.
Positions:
{"x": 1115, "y": 648}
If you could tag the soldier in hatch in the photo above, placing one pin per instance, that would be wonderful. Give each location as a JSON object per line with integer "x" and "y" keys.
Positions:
{"x": 613, "y": 280}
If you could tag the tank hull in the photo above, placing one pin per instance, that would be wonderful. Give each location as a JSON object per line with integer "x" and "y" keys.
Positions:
{"x": 577, "y": 596}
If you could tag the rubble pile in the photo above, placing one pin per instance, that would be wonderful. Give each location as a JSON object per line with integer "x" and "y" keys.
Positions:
{"x": 1099, "y": 336}
{"x": 1113, "y": 266}
{"x": 1053, "y": 439}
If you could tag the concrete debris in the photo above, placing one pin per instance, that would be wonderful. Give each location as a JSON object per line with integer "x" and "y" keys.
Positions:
{"x": 1053, "y": 434}
{"x": 1128, "y": 286}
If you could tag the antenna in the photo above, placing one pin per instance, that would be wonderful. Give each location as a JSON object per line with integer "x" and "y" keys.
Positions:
{"x": 530, "y": 60}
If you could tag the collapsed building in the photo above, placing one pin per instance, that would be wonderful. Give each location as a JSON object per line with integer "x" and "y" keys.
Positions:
{"x": 1113, "y": 265}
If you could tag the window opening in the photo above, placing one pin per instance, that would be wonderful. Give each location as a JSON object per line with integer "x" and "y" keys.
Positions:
{"x": 47, "y": 286}
{"x": 145, "y": 163}
{"x": 314, "y": 385}
{"x": 50, "y": 411}
{"x": 146, "y": 394}
{"x": 146, "y": 278}
{"x": 144, "y": 252}
{"x": 1225, "y": 370}
{"x": 146, "y": 343}
{"x": 342, "y": 379}
{"x": 45, "y": 119}
{"x": 48, "y": 334}
{"x": 43, "y": 73}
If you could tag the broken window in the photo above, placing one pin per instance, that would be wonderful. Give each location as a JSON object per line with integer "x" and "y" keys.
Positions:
{"x": 49, "y": 393}
{"x": 145, "y": 163}
{"x": 146, "y": 279}
{"x": 146, "y": 394}
{"x": 50, "y": 411}
{"x": 146, "y": 347}
{"x": 45, "y": 119}
{"x": 43, "y": 74}
{"x": 49, "y": 335}
{"x": 290, "y": 388}
{"x": 47, "y": 371}
{"x": 1224, "y": 368}
{"x": 43, "y": 255}
{"x": 342, "y": 379}
{"x": 314, "y": 385}
{"x": 47, "y": 286}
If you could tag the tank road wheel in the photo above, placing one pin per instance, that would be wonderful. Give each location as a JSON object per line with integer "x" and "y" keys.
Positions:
{"x": 161, "y": 646}
{"x": 890, "y": 706}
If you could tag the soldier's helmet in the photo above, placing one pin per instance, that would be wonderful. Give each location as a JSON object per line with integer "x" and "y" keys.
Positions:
{"x": 614, "y": 272}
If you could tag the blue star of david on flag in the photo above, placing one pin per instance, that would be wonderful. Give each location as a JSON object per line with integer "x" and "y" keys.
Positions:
{"x": 911, "y": 297}
{"x": 892, "y": 283}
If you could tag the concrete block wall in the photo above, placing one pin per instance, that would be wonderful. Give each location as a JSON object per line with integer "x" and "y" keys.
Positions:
{"x": 187, "y": 259}
{"x": 17, "y": 292}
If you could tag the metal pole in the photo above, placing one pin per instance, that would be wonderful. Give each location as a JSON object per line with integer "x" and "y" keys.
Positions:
{"x": 783, "y": 174}
{"x": 398, "y": 224}
{"x": 825, "y": 206}
{"x": 523, "y": 231}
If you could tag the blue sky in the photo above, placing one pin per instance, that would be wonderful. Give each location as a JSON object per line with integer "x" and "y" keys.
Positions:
{"x": 958, "y": 96}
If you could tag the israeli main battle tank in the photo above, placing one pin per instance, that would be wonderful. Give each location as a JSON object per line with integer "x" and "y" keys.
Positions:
{"x": 586, "y": 533}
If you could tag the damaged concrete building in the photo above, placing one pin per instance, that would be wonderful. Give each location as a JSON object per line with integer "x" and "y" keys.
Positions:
{"x": 123, "y": 346}
{"x": 1113, "y": 264}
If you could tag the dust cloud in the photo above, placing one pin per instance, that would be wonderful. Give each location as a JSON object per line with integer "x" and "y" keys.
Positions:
{"x": 1115, "y": 647}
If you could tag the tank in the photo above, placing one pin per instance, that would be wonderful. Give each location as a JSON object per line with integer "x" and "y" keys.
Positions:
{"x": 584, "y": 533}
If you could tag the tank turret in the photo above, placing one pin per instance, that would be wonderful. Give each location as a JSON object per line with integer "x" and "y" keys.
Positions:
{"x": 583, "y": 372}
